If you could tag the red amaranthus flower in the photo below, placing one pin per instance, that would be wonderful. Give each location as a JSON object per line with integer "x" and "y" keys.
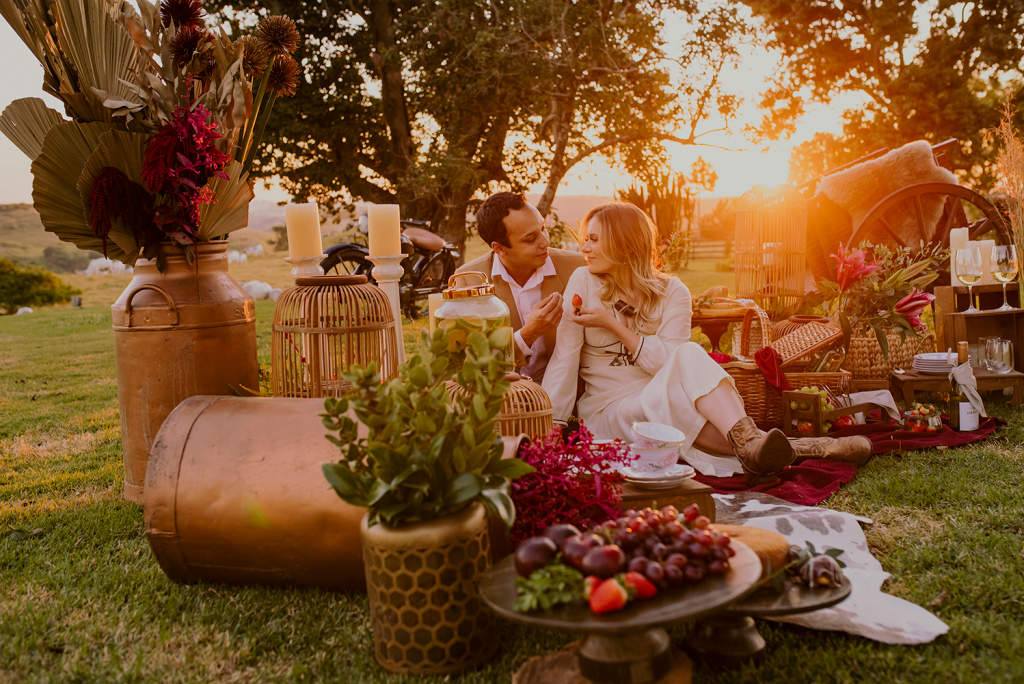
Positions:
{"x": 851, "y": 267}
{"x": 114, "y": 196}
{"x": 912, "y": 305}
{"x": 180, "y": 159}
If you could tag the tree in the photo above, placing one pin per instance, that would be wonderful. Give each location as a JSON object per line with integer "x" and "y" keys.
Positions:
{"x": 927, "y": 69}
{"x": 426, "y": 104}
{"x": 32, "y": 286}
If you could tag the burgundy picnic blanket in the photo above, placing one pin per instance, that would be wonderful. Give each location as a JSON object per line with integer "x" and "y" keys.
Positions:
{"x": 812, "y": 481}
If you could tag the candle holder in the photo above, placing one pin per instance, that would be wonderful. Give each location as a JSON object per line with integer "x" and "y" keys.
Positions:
{"x": 387, "y": 271}
{"x": 306, "y": 266}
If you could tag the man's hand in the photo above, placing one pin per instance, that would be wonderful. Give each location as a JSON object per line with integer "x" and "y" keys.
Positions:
{"x": 544, "y": 316}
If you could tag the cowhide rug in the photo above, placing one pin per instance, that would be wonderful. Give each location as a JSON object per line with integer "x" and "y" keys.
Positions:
{"x": 867, "y": 612}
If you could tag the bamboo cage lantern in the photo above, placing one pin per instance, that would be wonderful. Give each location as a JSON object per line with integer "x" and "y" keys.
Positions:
{"x": 525, "y": 410}
{"x": 325, "y": 325}
{"x": 771, "y": 249}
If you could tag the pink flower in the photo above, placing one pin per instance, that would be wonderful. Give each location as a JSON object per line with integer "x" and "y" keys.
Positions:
{"x": 912, "y": 305}
{"x": 850, "y": 267}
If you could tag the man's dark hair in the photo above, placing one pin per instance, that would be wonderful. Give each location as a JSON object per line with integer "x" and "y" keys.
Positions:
{"x": 490, "y": 216}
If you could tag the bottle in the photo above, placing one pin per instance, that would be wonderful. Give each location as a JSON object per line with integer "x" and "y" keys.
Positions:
{"x": 963, "y": 417}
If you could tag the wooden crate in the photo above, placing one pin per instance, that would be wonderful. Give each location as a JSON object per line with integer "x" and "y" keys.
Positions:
{"x": 952, "y": 325}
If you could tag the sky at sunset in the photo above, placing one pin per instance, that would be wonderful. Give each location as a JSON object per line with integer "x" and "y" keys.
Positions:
{"x": 739, "y": 167}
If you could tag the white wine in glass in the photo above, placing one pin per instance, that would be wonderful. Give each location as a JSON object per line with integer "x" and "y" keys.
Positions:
{"x": 1004, "y": 269}
{"x": 968, "y": 271}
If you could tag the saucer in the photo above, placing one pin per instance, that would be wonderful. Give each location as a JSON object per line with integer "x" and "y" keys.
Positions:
{"x": 675, "y": 472}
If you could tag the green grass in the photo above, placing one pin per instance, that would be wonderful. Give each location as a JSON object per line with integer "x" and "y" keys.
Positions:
{"x": 83, "y": 600}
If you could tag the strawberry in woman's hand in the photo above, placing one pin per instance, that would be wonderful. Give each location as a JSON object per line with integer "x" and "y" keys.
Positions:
{"x": 577, "y": 302}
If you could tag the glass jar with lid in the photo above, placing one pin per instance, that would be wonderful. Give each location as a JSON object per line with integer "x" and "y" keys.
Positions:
{"x": 475, "y": 308}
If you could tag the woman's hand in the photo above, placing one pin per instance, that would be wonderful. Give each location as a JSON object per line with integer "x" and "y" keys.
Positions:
{"x": 596, "y": 317}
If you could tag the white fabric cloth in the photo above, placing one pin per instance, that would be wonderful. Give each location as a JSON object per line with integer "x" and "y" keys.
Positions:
{"x": 867, "y": 612}
{"x": 659, "y": 383}
{"x": 526, "y": 297}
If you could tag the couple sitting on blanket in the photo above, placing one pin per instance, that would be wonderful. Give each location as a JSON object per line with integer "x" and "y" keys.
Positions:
{"x": 629, "y": 341}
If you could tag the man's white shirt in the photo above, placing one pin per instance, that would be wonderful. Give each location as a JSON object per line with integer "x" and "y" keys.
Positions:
{"x": 526, "y": 297}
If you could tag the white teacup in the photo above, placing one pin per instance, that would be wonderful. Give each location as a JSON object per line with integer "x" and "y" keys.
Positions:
{"x": 656, "y": 435}
{"x": 653, "y": 460}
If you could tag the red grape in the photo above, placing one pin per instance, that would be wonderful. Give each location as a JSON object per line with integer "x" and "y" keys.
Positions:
{"x": 693, "y": 573}
{"x": 697, "y": 550}
{"x": 677, "y": 560}
{"x": 669, "y": 513}
{"x": 723, "y": 539}
{"x": 704, "y": 539}
{"x": 687, "y": 537}
{"x": 691, "y": 512}
{"x": 659, "y": 550}
{"x": 718, "y": 567}
{"x": 654, "y": 571}
{"x": 674, "y": 574}
{"x": 638, "y": 564}
{"x": 701, "y": 522}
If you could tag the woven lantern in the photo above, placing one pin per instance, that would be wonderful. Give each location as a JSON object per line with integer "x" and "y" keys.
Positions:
{"x": 526, "y": 409}
{"x": 325, "y": 325}
{"x": 771, "y": 249}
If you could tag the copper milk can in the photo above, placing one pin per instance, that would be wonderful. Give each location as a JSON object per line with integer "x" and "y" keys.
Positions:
{"x": 235, "y": 493}
{"x": 190, "y": 330}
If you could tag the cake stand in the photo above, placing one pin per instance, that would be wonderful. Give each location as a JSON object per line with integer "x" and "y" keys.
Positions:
{"x": 731, "y": 639}
{"x": 628, "y": 646}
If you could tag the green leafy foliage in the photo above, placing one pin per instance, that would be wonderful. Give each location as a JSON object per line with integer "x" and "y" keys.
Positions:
{"x": 551, "y": 586}
{"x": 423, "y": 458}
{"x": 31, "y": 286}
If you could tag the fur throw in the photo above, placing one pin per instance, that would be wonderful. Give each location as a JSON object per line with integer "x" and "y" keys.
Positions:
{"x": 861, "y": 187}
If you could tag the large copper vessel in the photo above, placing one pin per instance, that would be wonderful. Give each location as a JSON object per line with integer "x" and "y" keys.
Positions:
{"x": 190, "y": 330}
{"x": 235, "y": 494}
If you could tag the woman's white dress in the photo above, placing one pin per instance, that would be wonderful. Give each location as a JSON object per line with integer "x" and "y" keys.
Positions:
{"x": 660, "y": 383}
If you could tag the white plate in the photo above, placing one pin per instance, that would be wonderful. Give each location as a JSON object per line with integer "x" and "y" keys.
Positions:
{"x": 676, "y": 471}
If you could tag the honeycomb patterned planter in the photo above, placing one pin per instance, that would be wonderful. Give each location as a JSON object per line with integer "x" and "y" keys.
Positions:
{"x": 423, "y": 584}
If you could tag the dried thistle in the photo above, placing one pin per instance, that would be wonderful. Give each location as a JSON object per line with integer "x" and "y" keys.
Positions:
{"x": 255, "y": 55}
{"x": 284, "y": 76}
{"x": 182, "y": 12}
{"x": 279, "y": 34}
{"x": 187, "y": 44}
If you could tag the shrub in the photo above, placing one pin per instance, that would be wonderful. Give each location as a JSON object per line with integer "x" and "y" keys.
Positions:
{"x": 32, "y": 286}
{"x": 61, "y": 260}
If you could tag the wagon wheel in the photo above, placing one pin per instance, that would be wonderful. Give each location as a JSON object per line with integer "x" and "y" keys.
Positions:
{"x": 888, "y": 220}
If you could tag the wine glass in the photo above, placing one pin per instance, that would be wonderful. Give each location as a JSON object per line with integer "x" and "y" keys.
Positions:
{"x": 1004, "y": 269}
{"x": 968, "y": 271}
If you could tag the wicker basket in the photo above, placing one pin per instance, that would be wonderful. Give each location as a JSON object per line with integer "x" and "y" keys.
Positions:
{"x": 759, "y": 399}
{"x": 866, "y": 361}
{"x": 525, "y": 410}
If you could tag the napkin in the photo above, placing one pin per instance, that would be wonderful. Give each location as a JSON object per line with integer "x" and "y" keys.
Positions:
{"x": 882, "y": 398}
{"x": 963, "y": 375}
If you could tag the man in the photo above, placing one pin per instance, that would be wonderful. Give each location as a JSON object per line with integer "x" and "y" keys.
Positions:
{"x": 528, "y": 275}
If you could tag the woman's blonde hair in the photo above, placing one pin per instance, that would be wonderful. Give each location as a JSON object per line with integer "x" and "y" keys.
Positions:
{"x": 628, "y": 238}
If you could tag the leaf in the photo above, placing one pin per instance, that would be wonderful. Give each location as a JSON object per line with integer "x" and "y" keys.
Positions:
{"x": 344, "y": 483}
{"x": 883, "y": 341}
{"x": 500, "y": 505}
{"x": 509, "y": 468}
{"x": 811, "y": 550}
{"x": 834, "y": 553}
{"x": 844, "y": 323}
{"x": 26, "y": 122}
{"x": 462, "y": 489}
{"x": 479, "y": 344}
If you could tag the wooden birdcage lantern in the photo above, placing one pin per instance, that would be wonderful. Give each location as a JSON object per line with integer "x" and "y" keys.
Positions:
{"x": 771, "y": 249}
{"x": 325, "y": 325}
{"x": 525, "y": 410}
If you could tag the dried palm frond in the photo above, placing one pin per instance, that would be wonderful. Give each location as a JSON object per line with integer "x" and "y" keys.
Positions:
{"x": 230, "y": 209}
{"x": 55, "y": 173}
{"x": 1011, "y": 170}
{"x": 82, "y": 46}
{"x": 118, "y": 149}
{"x": 26, "y": 122}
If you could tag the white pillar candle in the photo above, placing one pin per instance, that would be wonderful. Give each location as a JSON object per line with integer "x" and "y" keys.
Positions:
{"x": 433, "y": 301}
{"x": 957, "y": 240}
{"x": 303, "y": 223}
{"x": 986, "y": 261}
{"x": 385, "y": 230}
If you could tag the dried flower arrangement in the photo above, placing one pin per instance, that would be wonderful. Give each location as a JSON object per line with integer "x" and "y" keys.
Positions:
{"x": 1011, "y": 172}
{"x": 164, "y": 122}
{"x": 575, "y": 481}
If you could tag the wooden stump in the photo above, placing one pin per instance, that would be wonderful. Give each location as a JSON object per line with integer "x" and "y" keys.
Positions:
{"x": 563, "y": 668}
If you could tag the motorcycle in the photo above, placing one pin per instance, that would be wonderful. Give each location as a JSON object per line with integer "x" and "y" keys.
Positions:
{"x": 428, "y": 264}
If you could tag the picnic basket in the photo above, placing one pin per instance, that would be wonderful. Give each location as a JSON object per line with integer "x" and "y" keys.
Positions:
{"x": 759, "y": 398}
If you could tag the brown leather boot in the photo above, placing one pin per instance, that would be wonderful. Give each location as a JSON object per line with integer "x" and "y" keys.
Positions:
{"x": 762, "y": 455}
{"x": 856, "y": 450}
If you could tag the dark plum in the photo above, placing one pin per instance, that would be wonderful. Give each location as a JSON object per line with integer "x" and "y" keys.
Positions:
{"x": 533, "y": 554}
{"x": 603, "y": 561}
{"x": 559, "y": 533}
{"x": 575, "y": 548}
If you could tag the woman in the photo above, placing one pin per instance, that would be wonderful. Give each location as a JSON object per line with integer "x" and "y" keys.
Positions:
{"x": 630, "y": 344}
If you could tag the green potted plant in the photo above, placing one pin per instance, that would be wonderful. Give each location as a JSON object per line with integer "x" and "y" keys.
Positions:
{"x": 428, "y": 474}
